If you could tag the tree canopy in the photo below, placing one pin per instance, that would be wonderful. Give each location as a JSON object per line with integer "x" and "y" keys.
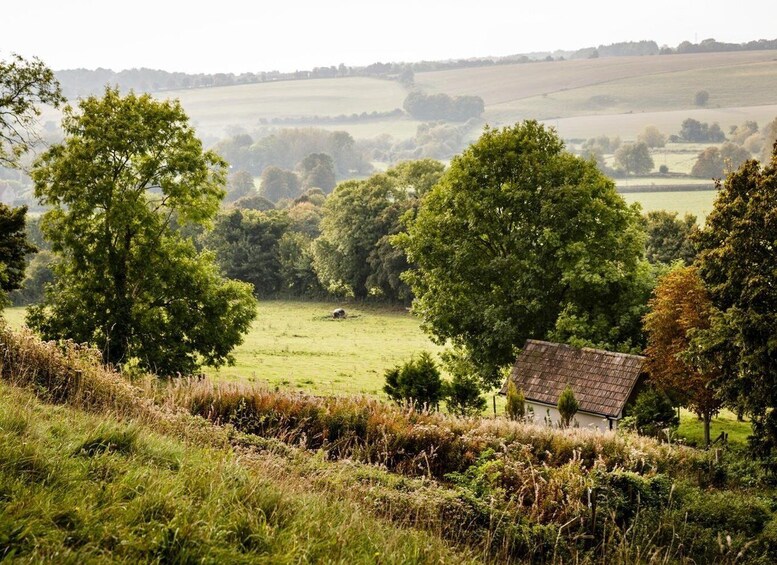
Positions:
{"x": 355, "y": 253}
{"x": 24, "y": 86}
{"x": 520, "y": 239}
{"x": 126, "y": 281}
{"x": 738, "y": 264}
{"x": 669, "y": 237}
{"x": 13, "y": 249}
{"x": 634, "y": 158}
{"x": 681, "y": 306}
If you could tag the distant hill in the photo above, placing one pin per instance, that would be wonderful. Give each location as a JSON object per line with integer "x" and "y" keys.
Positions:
{"x": 83, "y": 82}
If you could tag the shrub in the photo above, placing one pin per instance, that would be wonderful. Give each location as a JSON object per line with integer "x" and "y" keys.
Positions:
{"x": 567, "y": 406}
{"x": 417, "y": 381}
{"x": 653, "y": 413}
{"x": 516, "y": 402}
{"x": 462, "y": 396}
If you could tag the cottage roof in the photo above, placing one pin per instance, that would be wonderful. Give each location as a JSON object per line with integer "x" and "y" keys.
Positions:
{"x": 601, "y": 380}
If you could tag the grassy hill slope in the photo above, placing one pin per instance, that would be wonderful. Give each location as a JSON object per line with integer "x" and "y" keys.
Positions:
{"x": 94, "y": 467}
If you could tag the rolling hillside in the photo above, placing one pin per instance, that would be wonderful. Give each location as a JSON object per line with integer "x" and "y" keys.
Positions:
{"x": 582, "y": 98}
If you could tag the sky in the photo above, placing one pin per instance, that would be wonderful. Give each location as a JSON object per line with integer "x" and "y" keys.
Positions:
{"x": 250, "y": 36}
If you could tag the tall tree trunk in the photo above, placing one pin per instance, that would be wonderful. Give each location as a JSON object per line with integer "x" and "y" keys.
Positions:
{"x": 707, "y": 416}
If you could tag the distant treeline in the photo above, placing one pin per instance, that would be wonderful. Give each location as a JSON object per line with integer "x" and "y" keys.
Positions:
{"x": 82, "y": 82}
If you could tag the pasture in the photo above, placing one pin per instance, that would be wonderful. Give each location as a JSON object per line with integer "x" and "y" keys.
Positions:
{"x": 300, "y": 345}
{"x": 696, "y": 202}
{"x": 213, "y": 109}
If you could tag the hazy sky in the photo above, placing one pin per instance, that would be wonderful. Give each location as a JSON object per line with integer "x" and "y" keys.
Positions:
{"x": 238, "y": 36}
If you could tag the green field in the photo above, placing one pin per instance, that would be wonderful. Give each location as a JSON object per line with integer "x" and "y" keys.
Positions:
{"x": 213, "y": 109}
{"x": 299, "y": 345}
{"x": 691, "y": 428}
{"x": 696, "y": 202}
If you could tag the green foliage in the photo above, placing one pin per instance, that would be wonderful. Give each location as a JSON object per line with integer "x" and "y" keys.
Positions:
{"x": 701, "y": 98}
{"x": 126, "y": 281}
{"x": 738, "y": 265}
{"x": 653, "y": 413}
{"x": 669, "y": 237}
{"x": 443, "y": 107}
{"x": 417, "y": 380}
{"x": 516, "y": 402}
{"x": 278, "y": 184}
{"x": 39, "y": 275}
{"x": 521, "y": 239}
{"x": 652, "y": 137}
{"x": 295, "y": 256}
{"x": 24, "y": 86}
{"x": 713, "y": 163}
{"x": 462, "y": 392}
{"x": 318, "y": 171}
{"x": 253, "y": 202}
{"x": 567, "y": 406}
{"x": 634, "y": 158}
{"x": 356, "y": 254}
{"x": 14, "y": 249}
{"x": 694, "y": 131}
{"x": 246, "y": 245}
{"x": 417, "y": 177}
{"x": 240, "y": 184}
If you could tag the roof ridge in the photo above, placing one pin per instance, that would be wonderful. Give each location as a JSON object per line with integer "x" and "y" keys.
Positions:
{"x": 591, "y": 349}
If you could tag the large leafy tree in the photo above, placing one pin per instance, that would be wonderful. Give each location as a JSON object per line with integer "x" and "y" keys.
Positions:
{"x": 738, "y": 263}
{"x": 13, "y": 249}
{"x": 355, "y": 252}
{"x": 246, "y": 243}
{"x": 520, "y": 239}
{"x": 24, "y": 87}
{"x": 129, "y": 169}
{"x": 680, "y": 307}
{"x": 669, "y": 237}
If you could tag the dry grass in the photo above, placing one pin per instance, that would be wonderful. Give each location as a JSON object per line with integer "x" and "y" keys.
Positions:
{"x": 506, "y": 83}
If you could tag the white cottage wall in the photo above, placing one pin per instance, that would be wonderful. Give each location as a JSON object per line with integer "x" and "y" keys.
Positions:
{"x": 549, "y": 414}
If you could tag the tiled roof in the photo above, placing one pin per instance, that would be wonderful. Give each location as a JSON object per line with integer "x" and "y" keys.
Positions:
{"x": 601, "y": 380}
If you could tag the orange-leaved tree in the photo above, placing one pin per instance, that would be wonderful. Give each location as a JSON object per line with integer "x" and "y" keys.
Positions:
{"x": 680, "y": 306}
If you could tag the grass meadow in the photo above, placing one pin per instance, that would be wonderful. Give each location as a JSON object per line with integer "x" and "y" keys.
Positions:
{"x": 298, "y": 346}
{"x": 696, "y": 202}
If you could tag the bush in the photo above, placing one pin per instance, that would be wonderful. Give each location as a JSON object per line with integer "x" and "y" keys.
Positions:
{"x": 701, "y": 98}
{"x": 653, "y": 413}
{"x": 462, "y": 396}
{"x": 417, "y": 381}
{"x": 516, "y": 402}
{"x": 567, "y": 406}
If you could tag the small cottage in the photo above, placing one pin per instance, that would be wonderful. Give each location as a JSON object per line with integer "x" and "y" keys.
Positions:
{"x": 604, "y": 382}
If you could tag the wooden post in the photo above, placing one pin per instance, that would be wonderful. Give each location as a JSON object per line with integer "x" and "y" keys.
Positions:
{"x": 494, "y": 399}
